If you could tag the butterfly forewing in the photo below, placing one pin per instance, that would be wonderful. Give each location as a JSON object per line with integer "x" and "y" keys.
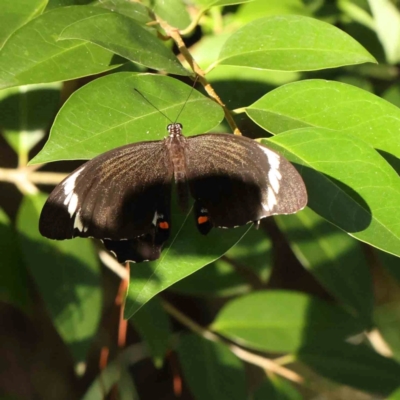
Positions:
{"x": 237, "y": 180}
{"x": 117, "y": 195}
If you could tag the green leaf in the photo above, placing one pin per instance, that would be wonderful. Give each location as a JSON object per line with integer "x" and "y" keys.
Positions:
{"x": 395, "y": 395}
{"x": 206, "y": 4}
{"x": 392, "y": 94}
{"x": 292, "y": 43}
{"x": 66, "y": 3}
{"x": 26, "y": 112}
{"x": 126, "y": 386}
{"x": 387, "y": 320}
{"x": 261, "y": 8}
{"x": 136, "y": 11}
{"x": 275, "y": 388}
{"x": 331, "y": 105}
{"x": 154, "y": 327}
{"x": 172, "y": 11}
{"x": 211, "y": 370}
{"x": 108, "y": 113}
{"x": 334, "y": 258}
{"x": 186, "y": 252}
{"x": 45, "y": 58}
{"x": 247, "y": 263}
{"x": 15, "y": 13}
{"x": 102, "y": 385}
{"x": 67, "y": 275}
{"x": 387, "y": 26}
{"x": 218, "y": 279}
{"x": 116, "y": 373}
{"x": 13, "y": 276}
{"x": 356, "y": 366}
{"x": 282, "y": 321}
{"x": 126, "y": 38}
{"x": 351, "y": 201}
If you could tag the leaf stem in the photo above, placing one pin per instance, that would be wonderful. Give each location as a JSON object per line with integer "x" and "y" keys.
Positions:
{"x": 193, "y": 24}
{"x": 27, "y": 174}
{"x": 174, "y": 34}
{"x": 245, "y": 355}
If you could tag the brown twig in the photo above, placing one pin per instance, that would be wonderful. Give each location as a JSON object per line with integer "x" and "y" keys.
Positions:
{"x": 255, "y": 359}
{"x": 174, "y": 34}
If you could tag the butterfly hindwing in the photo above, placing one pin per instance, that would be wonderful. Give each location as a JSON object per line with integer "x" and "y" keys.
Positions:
{"x": 235, "y": 180}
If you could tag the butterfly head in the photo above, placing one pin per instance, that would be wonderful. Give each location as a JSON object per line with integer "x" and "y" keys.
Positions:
{"x": 175, "y": 129}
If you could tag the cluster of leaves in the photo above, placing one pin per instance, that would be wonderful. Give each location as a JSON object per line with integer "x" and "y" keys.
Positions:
{"x": 284, "y": 69}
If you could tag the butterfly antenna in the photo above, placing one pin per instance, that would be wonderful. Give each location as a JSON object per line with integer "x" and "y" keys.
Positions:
{"x": 153, "y": 105}
{"x": 190, "y": 93}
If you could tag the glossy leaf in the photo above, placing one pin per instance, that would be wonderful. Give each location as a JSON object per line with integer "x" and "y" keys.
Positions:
{"x": 261, "y": 8}
{"x": 172, "y": 11}
{"x": 218, "y": 279}
{"x": 281, "y": 321}
{"x": 154, "y": 327}
{"x": 134, "y": 10}
{"x": 126, "y": 38}
{"x": 334, "y": 258}
{"x": 26, "y": 112}
{"x": 356, "y": 366}
{"x": 13, "y": 276}
{"x": 276, "y": 388}
{"x": 291, "y": 43}
{"x": 66, "y": 3}
{"x": 212, "y": 3}
{"x": 16, "y": 13}
{"x": 211, "y": 371}
{"x": 331, "y": 105}
{"x": 186, "y": 252}
{"x": 67, "y": 275}
{"x": 46, "y": 59}
{"x": 108, "y": 113}
{"x": 245, "y": 264}
{"x": 351, "y": 201}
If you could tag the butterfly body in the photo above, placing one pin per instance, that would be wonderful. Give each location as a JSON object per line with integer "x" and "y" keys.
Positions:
{"x": 123, "y": 196}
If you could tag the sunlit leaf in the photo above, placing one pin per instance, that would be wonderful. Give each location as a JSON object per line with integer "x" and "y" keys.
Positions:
{"x": 291, "y": 43}
{"x": 350, "y": 200}
{"x": 282, "y": 321}
{"x": 16, "y": 13}
{"x": 126, "y": 38}
{"x": 45, "y": 58}
{"x": 92, "y": 121}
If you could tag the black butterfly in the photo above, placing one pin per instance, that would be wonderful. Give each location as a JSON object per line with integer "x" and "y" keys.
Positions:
{"x": 123, "y": 196}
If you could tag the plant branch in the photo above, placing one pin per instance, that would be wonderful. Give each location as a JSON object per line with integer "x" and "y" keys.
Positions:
{"x": 174, "y": 34}
{"x": 260, "y": 361}
{"x": 31, "y": 176}
{"x": 193, "y": 24}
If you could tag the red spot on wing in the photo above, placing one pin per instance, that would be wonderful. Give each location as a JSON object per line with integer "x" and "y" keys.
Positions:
{"x": 202, "y": 220}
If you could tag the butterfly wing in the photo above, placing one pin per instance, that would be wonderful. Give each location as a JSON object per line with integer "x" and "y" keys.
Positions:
{"x": 119, "y": 196}
{"x": 236, "y": 180}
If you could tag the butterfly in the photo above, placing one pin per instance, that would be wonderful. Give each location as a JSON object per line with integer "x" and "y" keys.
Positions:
{"x": 123, "y": 196}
